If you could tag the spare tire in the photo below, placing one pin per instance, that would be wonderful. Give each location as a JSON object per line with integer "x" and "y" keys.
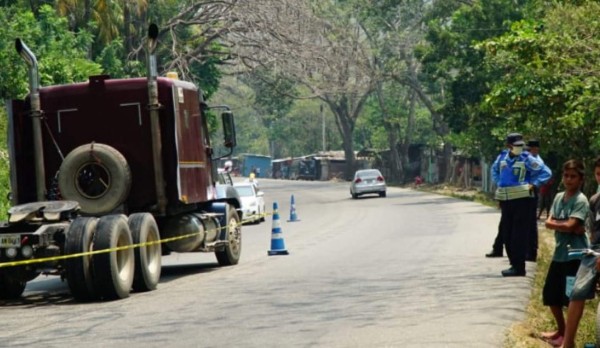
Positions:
{"x": 95, "y": 175}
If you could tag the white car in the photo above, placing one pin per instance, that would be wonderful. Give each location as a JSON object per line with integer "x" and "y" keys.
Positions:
{"x": 253, "y": 203}
{"x": 368, "y": 181}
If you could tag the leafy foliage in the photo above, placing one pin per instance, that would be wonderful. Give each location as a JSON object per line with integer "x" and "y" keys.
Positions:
{"x": 62, "y": 55}
{"x": 452, "y": 59}
{"x": 550, "y": 84}
{"x": 372, "y": 131}
{"x": 279, "y": 126}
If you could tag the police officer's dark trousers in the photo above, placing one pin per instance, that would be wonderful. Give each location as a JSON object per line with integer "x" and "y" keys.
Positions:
{"x": 532, "y": 245}
{"x": 515, "y": 223}
{"x": 498, "y": 246}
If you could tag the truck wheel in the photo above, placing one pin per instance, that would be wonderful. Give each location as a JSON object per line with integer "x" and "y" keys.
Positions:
{"x": 79, "y": 270}
{"x": 95, "y": 175}
{"x": 11, "y": 286}
{"x": 147, "y": 257}
{"x": 113, "y": 270}
{"x": 231, "y": 254}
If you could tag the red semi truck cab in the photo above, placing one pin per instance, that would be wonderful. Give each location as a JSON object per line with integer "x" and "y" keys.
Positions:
{"x": 118, "y": 172}
{"x": 115, "y": 112}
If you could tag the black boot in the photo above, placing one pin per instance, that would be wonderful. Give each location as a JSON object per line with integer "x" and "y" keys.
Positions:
{"x": 513, "y": 272}
{"x": 494, "y": 253}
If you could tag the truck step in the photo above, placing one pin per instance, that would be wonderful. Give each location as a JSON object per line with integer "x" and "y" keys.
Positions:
{"x": 216, "y": 245}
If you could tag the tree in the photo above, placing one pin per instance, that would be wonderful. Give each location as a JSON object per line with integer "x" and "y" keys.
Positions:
{"x": 393, "y": 30}
{"x": 61, "y": 58}
{"x": 326, "y": 54}
{"x": 61, "y": 54}
{"x": 550, "y": 84}
{"x": 450, "y": 58}
{"x": 190, "y": 35}
{"x": 110, "y": 20}
{"x": 271, "y": 105}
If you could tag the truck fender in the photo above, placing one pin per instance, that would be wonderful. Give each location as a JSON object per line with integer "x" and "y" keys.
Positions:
{"x": 221, "y": 209}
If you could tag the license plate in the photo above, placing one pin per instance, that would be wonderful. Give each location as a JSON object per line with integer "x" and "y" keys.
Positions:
{"x": 10, "y": 240}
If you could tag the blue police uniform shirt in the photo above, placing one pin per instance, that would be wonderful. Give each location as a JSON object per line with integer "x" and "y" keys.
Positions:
{"x": 514, "y": 175}
{"x": 538, "y": 157}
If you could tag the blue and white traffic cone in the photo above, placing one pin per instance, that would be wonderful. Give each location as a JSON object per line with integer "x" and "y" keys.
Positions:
{"x": 293, "y": 216}
{"x": 277, "y": 242}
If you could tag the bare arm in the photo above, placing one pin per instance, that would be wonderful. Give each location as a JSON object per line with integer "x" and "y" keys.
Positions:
{"x": 572, "y": 225}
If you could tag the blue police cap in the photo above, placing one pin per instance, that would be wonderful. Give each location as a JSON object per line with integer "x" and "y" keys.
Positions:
{"x": 515, "y": 139}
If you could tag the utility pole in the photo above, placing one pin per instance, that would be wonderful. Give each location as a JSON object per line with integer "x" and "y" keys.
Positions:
{"x": 323, "y": 126}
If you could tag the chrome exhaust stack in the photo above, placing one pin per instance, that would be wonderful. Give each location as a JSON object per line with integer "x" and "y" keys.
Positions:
{"x": 36, "y": 117}
{"x": 153, "y": 107}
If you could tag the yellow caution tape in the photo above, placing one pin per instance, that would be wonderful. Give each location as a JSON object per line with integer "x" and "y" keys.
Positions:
{"x": 109, "y": 250}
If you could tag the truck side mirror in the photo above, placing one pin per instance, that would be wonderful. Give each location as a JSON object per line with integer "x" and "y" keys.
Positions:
{"x": 228, "y": 129}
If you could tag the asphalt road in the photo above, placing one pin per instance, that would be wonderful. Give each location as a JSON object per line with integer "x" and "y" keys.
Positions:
{"x": 407, "y": 270}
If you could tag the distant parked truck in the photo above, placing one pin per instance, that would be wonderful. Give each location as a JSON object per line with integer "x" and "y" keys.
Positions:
{"x": 310, "y": 168}
{"x": 113, "y": 167}
{"x": 285, "y": 168}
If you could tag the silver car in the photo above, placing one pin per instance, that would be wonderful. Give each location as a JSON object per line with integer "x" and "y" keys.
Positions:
{"x": 253, "y": 203}
{"x": 368, "y": 181}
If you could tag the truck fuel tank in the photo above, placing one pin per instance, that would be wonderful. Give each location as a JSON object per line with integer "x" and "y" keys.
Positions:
{"x": 187, "y": 228}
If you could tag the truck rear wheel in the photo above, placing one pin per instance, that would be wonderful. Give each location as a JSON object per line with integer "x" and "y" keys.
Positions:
{"x": 79, "y": 270}
{"x": 114, "y": 269}
{"x": 11, "y": 285}
{"x": 148, "y": 256}
{"x": 97, "y": 176}
{"x": 230, "y": 255}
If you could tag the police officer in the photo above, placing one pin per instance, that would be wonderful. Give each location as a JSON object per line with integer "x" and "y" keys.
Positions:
{"x": 533, "y": 146}
{"x": 516, "y": 174}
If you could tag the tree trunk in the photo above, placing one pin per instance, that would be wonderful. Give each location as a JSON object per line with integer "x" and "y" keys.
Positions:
{"x": 127, "y": 45}
{"x": 346, "y": 127}
{"x": 439, "y": 124}
{"x": 396, "y": 163}
{"x": 346, "y": 110}
{"x": 408, "y": 136}
{"x": 396, "y": 168}
{"x": 440, "y": 127}
{"x": 87, "y": 12}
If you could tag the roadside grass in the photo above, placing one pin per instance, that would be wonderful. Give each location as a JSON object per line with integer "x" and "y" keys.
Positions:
{"x": 525, "y": 334}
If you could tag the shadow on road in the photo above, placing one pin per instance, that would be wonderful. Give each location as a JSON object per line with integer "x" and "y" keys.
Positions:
{"x": 50, "y": 290}
{"x": 173, "y": 272}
